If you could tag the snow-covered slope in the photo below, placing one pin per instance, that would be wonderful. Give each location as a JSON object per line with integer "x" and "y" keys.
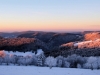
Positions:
{"x": 32, "y": 70}
{"x": 81, "y": 43}
{"x": 88, "y": 44}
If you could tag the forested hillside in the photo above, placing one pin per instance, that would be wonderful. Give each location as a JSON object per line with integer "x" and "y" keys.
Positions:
{"x": 55, "y": 44}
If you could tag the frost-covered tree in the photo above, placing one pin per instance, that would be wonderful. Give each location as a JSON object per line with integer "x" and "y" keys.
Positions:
{"x": 7, "y": 59}
{"x": 51, "y": 61}
{"x": 91, "y": 63}
{"x": 60, "y": 61}
{"x": 1, "y": 60}
{"x": 72, "y": 60}
{"x": 40, "y": 57}
{"x": 24, "y": 60}
{"x": 81, "y": 61}
{"x": 76, "y": 60}
{"x": 34, "y": 60}
{"x": 98, "y": 62}
{"x": 66, "y": 63}
{"x": 27, "y": 60}
{"x": 2, "y": 54}
{"x": 20, "y": 60}
{"x": 13, "y": 59}
{"x": 79, "y": 66}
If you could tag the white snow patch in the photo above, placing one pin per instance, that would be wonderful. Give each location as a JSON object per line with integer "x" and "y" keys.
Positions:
{"x": 39, "y": 51}
{"x": 76, "y": 44}
{"x": 97, "y": 40}
{"x": 81, "y": 43}
{"x": 33, "y": 70}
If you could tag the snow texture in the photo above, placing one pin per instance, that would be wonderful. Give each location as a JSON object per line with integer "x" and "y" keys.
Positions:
{"x": 84, "y": 42}
{"x": 32, "y": 70}
{"x": 39, "y": 52}
{"x": 80, "y": 43}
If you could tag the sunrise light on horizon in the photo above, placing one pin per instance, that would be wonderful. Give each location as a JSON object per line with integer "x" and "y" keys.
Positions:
{"x": 49, "y": 15}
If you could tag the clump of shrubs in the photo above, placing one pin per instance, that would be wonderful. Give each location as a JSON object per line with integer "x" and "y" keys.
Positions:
{"x": 39, "y": 59}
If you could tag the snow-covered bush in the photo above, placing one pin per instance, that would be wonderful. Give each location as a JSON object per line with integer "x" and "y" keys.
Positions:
{"x": 98, "y": 62}
{"x": 72, "y": 60}
{"x": 13, "y": 59}
{"x": 24, "y": 60}
{"x": 20, "y": 60}
{"x": 28, "y": 60}
{"x": 76, "y": 60}
{"x": 79, "y": 66}
{"x": 60, "y": 61}
{"x": 66, "y": 63}
{"x": 34, "y": 60}
{"x": 81, "y": 61}
{"x": 91, "y": 63}
{"x": 51, "y": 61}
{"x": 1, "y": 60}
{"x": 7, "y": 59}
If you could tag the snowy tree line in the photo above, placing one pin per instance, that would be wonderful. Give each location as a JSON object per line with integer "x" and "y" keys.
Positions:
{"x": 39, "y": 59}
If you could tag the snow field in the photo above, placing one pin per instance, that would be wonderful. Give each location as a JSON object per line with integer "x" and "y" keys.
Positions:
{"x": 33, "y": 70}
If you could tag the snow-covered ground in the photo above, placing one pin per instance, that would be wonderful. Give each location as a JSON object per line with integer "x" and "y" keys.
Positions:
{"x": 33, "y": 70}
{"x": 81, "y": 43}
{"x": 85, "y": 42}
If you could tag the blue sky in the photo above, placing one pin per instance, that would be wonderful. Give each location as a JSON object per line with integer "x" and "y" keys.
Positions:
{"x": 49, "y": 15}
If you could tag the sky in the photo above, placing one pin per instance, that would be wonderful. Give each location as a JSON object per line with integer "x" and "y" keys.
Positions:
{"x": 49, "y": 15}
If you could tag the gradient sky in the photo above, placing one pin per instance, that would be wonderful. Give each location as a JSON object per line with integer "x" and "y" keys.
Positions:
{"x": 49, "y": 15}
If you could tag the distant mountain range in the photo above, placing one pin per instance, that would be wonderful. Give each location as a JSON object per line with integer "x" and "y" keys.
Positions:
{"x": 52, "y": 43}
{"x": 15, "y": 34}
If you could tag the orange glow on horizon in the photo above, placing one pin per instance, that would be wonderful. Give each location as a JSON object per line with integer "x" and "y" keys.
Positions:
{"x": 49, "y": 25}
